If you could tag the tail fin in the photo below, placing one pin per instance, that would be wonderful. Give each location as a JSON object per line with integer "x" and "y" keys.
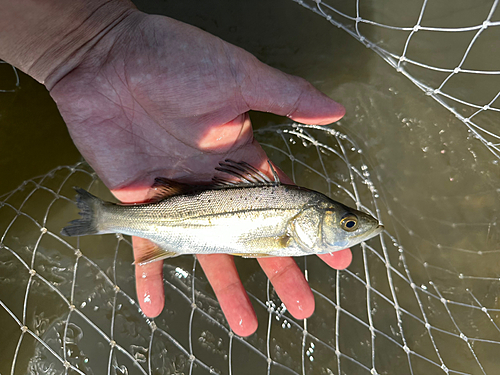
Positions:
{"x": 90, "y": 207}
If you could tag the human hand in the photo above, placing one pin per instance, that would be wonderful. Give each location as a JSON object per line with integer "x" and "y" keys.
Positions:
{"x": 156, "y": 97}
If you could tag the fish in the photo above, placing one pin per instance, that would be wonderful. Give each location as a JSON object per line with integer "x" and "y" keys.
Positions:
{"x": 244, "y": 213}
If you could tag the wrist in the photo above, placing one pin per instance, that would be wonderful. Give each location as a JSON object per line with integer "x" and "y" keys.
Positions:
{"x": 50, "y": 38}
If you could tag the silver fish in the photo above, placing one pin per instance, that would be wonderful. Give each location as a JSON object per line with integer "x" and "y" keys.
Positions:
{"x": 248, "y": 215}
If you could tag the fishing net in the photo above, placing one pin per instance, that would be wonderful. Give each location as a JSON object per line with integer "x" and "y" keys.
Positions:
{"x": 422, "y": 298}
{"x": 458, "y": 74}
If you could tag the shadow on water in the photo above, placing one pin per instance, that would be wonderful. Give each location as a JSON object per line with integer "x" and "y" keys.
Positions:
{"x": 33, "y": 137}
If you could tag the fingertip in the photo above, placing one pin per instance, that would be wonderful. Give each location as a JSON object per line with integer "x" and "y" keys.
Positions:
{"x": 316, "y": 108}
{"x": 223, "y": 277}
{"x": 339, "y": 259}
{"x": 303, "y": 306}
{"x": 149, "y": 288}
{"x": 320, "y": 117}
{"x": 150, "y": 305}
{"x": 286, "y": 95}
{"x": 148, "y": 281}
{"x": 237, "y": 308}
{"x": 245, "y": 326}
{"x": 290, "y": 285}
{"x": 304, "y": 310}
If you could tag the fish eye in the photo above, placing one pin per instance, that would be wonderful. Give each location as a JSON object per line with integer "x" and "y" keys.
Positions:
{"x": 349, "y": 223}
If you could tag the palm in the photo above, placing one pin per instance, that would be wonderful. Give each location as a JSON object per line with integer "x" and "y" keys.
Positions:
{"x": 156, "y": 97}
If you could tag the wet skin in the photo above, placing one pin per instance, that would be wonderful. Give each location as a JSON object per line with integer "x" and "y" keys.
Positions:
{"x": 156, "y": 97}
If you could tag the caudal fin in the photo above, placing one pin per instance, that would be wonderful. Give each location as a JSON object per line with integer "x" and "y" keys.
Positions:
{"x": 90, "y": 207}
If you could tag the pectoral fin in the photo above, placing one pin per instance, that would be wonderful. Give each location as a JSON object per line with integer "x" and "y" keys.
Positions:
{"x": 270, "y": 246}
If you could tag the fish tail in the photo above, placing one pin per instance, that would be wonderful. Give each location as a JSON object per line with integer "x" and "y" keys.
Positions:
{"x": 90, "y": 210}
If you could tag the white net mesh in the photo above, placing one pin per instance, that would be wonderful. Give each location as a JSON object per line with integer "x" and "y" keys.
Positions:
{"x": 457, "y": 70}
{"x": 420, "y": 299}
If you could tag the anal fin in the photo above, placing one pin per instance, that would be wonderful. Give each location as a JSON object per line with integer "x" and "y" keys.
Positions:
{"x": 152, "y": 253}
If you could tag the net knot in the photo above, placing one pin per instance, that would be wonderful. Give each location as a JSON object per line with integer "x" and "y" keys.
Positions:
{"x": 416, "y": 28}
{"x": 24, "y": 329}
{"x": 153, "y": 326}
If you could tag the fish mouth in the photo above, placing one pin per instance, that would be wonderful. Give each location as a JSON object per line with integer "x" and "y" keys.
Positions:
{"x": 379, "y": 229}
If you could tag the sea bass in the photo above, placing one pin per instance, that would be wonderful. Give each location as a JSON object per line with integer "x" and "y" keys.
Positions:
{"x": 247, "y": 214}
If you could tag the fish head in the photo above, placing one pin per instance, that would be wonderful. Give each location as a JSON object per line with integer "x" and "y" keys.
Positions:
{"x": 330, "y": 226}
{"x": 343, "y": 227}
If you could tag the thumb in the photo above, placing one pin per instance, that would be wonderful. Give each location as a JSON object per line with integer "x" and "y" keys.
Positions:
{"x": 269, "y": 90}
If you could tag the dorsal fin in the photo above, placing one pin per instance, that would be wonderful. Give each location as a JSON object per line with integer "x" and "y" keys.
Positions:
{"x": 164, "y": 187}
{"x": 244, "y": 174}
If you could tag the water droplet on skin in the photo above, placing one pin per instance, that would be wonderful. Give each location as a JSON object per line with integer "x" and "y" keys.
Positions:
{"x": 147, "y": 298}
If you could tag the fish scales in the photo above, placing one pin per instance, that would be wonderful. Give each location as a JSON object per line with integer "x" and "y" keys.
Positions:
{"x": 222, "y": 219}
{"x": 252, "y": 216}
